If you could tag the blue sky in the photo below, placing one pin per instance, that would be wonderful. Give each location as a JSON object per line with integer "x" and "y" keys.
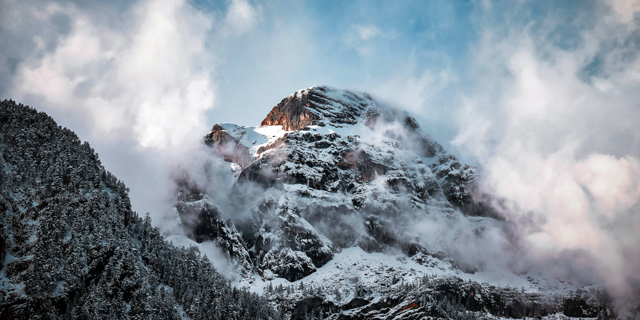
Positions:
{"x": 353, "y": 45}
{"x": 356, "y": 45}
{"x": 374, "y": 46}
{"x": 422, "y": 56}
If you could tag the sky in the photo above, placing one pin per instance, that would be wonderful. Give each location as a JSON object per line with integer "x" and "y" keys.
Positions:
{"x": 543, "y": 96}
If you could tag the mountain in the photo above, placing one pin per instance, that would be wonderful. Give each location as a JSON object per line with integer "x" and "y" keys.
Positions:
{"x": 316, "y": 172}
{"x": 331, "y": 200}
{"x": 321, "y": 211}
{"x": 72, "y": 248}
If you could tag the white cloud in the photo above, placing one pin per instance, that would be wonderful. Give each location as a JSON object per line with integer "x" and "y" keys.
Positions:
{"x": 241, "y": 18}
{"x": 151, "y": 82}
{"x": 560, "y": 145}
{"x": 364, "y": 38}
{"x": 625, "y": 9}
{"x": 415, "y": 93}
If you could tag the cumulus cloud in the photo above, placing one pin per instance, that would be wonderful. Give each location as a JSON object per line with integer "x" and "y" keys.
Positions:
{"x": 558, "y": 140}
{"x": 134, "y": 79}
{"x": 149, "y": 81}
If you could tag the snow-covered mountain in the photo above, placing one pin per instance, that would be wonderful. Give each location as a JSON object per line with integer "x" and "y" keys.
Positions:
{"x": 328, "y": 212}
{"x": 335, "y": 170}
{"x": 327, "y": 197}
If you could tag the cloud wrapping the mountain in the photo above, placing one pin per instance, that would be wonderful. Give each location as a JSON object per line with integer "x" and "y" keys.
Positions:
{"x": 553, "y": 125}
{"x": 555, "y": 129}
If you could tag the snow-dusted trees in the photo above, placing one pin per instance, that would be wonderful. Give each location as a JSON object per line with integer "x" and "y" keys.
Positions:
{"x": 72, "y": 247}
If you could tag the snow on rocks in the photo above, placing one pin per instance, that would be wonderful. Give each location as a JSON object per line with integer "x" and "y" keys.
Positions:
{"x": 338, "y": 161}
{"x": 338, "y": 178}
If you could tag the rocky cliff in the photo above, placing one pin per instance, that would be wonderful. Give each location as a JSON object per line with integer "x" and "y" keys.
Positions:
{"x": 332, "y": 171}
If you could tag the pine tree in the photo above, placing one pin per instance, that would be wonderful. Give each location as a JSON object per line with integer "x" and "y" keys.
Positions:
{"x": 79, "y": 251}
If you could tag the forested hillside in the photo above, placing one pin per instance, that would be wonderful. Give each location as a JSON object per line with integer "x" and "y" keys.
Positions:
{"x": 72, "y": 248}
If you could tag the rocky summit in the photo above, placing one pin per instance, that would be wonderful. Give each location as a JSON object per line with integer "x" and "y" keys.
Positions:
{"x": 323, "y": 157}
{"x": 326, "y": 195}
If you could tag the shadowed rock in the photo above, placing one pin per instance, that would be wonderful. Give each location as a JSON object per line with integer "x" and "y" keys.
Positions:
{"x": 228, "y": 147}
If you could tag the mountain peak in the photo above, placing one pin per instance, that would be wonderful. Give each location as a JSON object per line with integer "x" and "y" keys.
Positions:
{"x": 319, "y": 105}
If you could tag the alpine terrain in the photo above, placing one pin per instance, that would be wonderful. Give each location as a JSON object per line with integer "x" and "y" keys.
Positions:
{"x": 72, "y": 248}
{"x": 337, "y": 206}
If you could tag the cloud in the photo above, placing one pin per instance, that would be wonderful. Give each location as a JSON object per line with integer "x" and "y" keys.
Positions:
{"x": 134, "y": 79}
{"x": 625, "y": 10}
{"x": 558, "y": 141}
{"x": 417, "y": 93}
{"x": 367, "y": 32}
{"x": 364, "y": 38}
{"x": 150, "y": 82}
{"x": 241, "y": 17}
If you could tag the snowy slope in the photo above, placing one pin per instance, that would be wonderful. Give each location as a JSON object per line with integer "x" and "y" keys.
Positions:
{"x": 336, "y": 190}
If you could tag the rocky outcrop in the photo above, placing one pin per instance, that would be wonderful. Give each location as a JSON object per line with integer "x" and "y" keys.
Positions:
{"x": 228, "y": 147}
{"x": 339, "y": 159}
{"x": 318, "y": 106}
{"x": 288, "y": 246}
{"x": 202, "y": 221}
{"x": 455, "y": 179}
{"x": 292, "y": 113}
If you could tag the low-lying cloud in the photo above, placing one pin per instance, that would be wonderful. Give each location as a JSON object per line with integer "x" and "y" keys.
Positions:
{"x": 555, "y": 130}
{"x": 552, "y": 120}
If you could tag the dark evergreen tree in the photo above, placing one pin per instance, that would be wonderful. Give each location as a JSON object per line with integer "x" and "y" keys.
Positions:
{"x": 73, "y": 249}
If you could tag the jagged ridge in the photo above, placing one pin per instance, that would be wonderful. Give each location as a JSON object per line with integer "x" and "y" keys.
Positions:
{"x": 316, "y": 154}
{"x": 334, "y": 170}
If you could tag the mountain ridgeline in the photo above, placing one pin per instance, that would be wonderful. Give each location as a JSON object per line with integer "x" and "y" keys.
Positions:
{"x": 72, "y": 248}
{"x": 319, "y": 209}
{"x": 326, "y": 197}
{"x": 335, "y": 169}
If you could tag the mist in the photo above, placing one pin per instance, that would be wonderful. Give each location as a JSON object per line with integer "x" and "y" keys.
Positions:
{"x": 555, "y": 132}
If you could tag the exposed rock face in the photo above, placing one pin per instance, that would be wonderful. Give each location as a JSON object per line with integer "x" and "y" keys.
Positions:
{"x": 202, "y": 220}
{"x": 227, "y": 146}
{"x": 287, "y": 245}
{"x": 454, "y": 177}
{"x": 291, "y": 113}
{"x": 579, "y": 307}
{"x": 318, "y": 106}
{"x": 325, "y": 158}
